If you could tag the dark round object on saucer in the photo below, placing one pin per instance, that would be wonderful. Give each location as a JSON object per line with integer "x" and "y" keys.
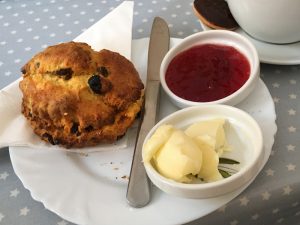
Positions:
{"x": 215, "y": 14}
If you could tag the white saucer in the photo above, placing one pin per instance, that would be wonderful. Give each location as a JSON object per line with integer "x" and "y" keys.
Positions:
{"x": 280, "y": 54}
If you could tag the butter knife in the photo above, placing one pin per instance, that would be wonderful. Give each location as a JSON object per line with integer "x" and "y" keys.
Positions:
{"x": 138, "y": 190}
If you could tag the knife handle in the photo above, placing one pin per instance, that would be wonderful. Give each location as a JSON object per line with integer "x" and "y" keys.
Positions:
{"x": 138, "y": 191}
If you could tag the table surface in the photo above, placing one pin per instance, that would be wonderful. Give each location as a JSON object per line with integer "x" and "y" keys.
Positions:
{"x": 28, "y": 26}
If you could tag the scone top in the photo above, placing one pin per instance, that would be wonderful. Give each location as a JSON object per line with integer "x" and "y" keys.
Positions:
{"x": 72, "y": 60}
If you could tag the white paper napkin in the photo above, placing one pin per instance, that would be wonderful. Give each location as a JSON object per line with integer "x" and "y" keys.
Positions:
{"x": 113, "y": 32}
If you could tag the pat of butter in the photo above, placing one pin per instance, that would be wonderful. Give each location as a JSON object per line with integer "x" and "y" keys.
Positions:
{"x": 158, "y": 139}
{"x": 209, "y": 171}
{"x": 211, "y": 132}
{"x": 179, "y": 154}
{"x": 179, "y": 157}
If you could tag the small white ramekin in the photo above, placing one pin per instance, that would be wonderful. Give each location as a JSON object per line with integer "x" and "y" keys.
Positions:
{"x": 221, "y": 37}
{"x": 243, "y": 134}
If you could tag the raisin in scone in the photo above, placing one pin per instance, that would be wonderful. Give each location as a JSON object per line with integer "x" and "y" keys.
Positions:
{"x": 74, "y": 96}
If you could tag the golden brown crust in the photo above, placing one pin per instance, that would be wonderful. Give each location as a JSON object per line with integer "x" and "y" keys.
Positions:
{"x": 215, "y": 14}
{"x": 76, "y": 97}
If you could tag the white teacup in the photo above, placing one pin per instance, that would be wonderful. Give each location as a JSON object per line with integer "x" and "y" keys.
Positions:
{"x": 275, "y": 21}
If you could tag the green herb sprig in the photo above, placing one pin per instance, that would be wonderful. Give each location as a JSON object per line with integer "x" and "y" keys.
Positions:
{"x": 225, "y": 171}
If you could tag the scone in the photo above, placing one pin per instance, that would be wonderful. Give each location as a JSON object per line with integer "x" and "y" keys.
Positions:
{"x": 215, "y": 14}
{"x": 74, "y": 96}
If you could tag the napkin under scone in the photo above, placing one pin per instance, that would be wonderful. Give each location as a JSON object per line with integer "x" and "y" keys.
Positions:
{"x": 76, "y": 97}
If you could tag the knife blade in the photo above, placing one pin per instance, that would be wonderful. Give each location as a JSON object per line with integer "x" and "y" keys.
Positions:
{"x": 138, "y": 190}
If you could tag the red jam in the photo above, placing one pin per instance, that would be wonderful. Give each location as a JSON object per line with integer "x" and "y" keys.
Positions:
{"x": 207, "y": 72}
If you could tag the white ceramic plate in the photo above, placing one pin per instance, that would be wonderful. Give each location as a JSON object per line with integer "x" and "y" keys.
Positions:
{"x": 91, "y": 189}
{"x": 281, "y": 54}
